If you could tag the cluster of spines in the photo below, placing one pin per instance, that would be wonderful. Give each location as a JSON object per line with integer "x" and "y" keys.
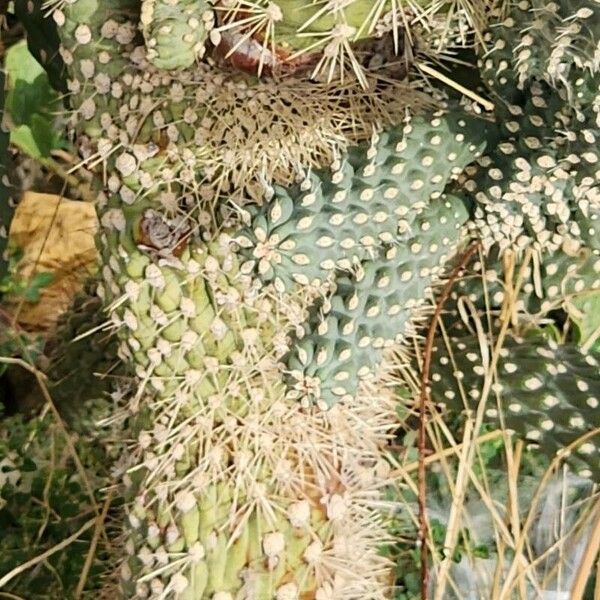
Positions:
{"x": 540, "y": 185}
{"x": 554, "y": 42}
{"x": 226, "y": 498}
{"x": 547, "y": 393}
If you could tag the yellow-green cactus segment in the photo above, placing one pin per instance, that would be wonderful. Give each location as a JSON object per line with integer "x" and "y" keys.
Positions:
{"x": 548, "y": 394}
{"x": 175, "y": 31}
{"x": 235, "y": 491}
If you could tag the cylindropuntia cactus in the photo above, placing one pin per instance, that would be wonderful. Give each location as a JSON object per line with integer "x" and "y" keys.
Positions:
{"x": 547, "y": 393}
{"x": 554, "y": 42}
{"x": 540, "y": 185}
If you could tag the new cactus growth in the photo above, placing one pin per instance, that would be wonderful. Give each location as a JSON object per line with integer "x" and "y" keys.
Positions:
{"x": 175, "y": 32}
{"x": 548, "y": 394}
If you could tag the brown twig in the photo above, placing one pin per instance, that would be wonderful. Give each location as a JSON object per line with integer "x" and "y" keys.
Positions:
{"x": 424, "y": 396}
{"x": 93, "y": 544}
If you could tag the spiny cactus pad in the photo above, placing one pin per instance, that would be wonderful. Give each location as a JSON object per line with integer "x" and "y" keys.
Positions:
{"x": 336, "y": 219}
{"x": 548, "y": 394}
{"x": 548, "y": 283}
{"x": 371, "y": 309}
{"x": 555, "y": 42}
{"x": 540, "y": 186}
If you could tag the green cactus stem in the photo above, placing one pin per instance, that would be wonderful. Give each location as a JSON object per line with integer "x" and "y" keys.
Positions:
{"x": 371, "y": 310}
{"x": 547, "y": 393}
{"x": 175, "y": 32}
{"x": 335, "y": 219}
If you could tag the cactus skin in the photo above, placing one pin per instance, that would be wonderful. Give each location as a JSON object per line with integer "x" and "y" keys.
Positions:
{"x": 548, "y": 394}
{"x": 559, "y": 278}
{"x": 372, "y": 214}
{"x": 175, "y": 32}
{"x": 343, "y": 340}
{"x": 334, "y": 220}
{"x": 225, "y": 487}
{"x": 234, "y": 491}
{"x": 554, "y": 42}
{"x": 540, "y": 187}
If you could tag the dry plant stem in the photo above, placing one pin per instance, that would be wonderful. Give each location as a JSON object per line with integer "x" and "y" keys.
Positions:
{"x": 423, "y": 527}
{"x": 452, "y": 528}
{"x": 531, "y": 515}
{"x": 100, "y": 520}
{"x": 513, "y": 464}
{"x": 34, "y": 561}
{"x": 11, "y": 596}
{"x": 72, "y": 450}
{"x": 486, "y": 104}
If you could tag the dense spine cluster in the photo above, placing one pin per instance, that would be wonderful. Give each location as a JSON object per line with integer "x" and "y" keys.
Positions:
{"x": 257, "y": 432}
{"x": 540, "y": 187}
{"x": 175, "y": 32}
{"x": 235, "y": 490}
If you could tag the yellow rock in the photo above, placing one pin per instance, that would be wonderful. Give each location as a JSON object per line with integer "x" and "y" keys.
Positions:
{"x": 56, "y": 235}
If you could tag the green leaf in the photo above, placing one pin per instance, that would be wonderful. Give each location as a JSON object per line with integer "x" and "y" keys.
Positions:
{"x": 31, "y": 104}
{"x": 39, "y": 281}
{"x": 584, "y": 311}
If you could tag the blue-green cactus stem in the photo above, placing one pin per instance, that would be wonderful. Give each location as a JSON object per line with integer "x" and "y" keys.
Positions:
{"x": 371, "y": 309}
{"x": 335, "y": 219}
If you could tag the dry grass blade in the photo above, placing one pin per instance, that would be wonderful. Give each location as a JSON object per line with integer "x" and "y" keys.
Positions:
{"x": 423, "y": 397}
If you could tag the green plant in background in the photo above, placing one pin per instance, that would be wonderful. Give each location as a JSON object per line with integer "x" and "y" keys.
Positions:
{"x": 45, "y": 499}
{"x": 31, "y": 104}
{"x": 258, "y": 315}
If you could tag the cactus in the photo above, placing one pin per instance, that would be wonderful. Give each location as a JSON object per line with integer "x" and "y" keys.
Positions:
{"x": 549, "y": 283}
{"x": 371, "y": 310}
{"x": 548, "y": 394}
{"x": 233, "y": 489}
{"x": 554, "y": 42}
{"x": 175, "y": 32}
{"x": 540, "y": 186}
{"x": 351, "y": 213}
{"x": 325, "y": 38}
